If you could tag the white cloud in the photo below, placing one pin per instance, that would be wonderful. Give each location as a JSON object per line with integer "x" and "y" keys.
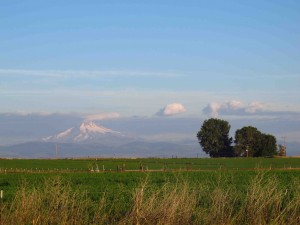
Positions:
{"x": 233, "y": 107}
{"x": 103, "y": 116}
{"x": 254, "y": 107}
{"x": 171, "y": 109}
{"x": 234, "y": 104}
{"x": 213, "y": 109}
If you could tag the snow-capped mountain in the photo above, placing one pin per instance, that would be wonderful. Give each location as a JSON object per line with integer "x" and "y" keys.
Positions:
{"x": 87, "y": 131}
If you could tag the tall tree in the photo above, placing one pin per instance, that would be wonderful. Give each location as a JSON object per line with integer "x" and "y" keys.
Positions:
{"x": 246, "y": 140}
{"x": 255, "y": 142}
{"x": 214, "y": 138}
{"x": 267, "y": 145}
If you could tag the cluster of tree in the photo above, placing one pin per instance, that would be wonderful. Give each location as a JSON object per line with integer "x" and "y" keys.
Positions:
{"x": 249, "y": 141}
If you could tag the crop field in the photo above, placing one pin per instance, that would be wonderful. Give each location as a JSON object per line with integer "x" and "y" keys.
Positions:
{"x": 111, "y": 164}
{"x": 166, "y": 191}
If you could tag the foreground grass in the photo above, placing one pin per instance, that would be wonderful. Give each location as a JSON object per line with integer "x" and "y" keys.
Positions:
{"x": 264, "y": 198}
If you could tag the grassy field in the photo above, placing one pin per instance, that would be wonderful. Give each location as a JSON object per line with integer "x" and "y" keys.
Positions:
{"x": 183, "y": 191}
{"x": 150, "y": 164}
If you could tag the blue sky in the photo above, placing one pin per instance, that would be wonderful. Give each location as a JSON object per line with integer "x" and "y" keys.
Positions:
{"x": 137, "y": 57}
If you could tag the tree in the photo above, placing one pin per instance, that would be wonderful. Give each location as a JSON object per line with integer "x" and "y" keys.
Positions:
{"x": 214, "y": 138}
{"x": 255, "y": 142}
{"x": 245, "y": 140}
{"x": 266, "y": 145}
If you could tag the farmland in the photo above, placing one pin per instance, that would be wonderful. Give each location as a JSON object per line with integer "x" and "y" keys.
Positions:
{"x": 111, "y": 164}
{"x": 210, "y": 186}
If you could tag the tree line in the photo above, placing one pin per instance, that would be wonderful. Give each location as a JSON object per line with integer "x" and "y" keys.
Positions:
{"x": 214, "y": 139}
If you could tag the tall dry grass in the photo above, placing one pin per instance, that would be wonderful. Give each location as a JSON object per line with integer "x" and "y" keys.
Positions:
{"x": 170, "y": 204}
{"x": 267, "y": 203}
{"x": 55, "y": 202}
{"x": 264, "y": 201}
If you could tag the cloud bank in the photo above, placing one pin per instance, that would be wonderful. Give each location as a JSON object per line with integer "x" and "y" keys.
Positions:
{"x": 102, "y": 116}
{"x": 171, "y": 109}
{"x": 233, "y": 107}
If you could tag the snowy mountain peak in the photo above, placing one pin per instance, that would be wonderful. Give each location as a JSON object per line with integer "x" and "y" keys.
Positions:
{"x": 87, "y": 131}
{"x": 65, "y": 133}
{"x": 91, "y": 127}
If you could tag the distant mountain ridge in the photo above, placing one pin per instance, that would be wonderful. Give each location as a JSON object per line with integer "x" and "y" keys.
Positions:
{"x": 90, "y": 139}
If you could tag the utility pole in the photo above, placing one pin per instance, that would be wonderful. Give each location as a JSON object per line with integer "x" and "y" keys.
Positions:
{"x": 284, "y": 137}
{"x": 56, "y": 151}
{"x": 284, "y": 146}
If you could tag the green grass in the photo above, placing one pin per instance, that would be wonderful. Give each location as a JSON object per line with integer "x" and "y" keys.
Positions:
{"x": 95, "y": 184}
{"x": 177, "y": 191}
{"x": 211, "y": 197}
{"x": 150, "y": 163}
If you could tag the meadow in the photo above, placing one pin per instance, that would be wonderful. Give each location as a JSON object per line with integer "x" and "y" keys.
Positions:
{"x": 112, "y": 164}
{"x": 167, "y": 191}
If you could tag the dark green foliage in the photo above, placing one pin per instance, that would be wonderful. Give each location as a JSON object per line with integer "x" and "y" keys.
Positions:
{"x": 246, "y": 139}
{"x": 214, "y": 138}
{"x": 257, "y": 143}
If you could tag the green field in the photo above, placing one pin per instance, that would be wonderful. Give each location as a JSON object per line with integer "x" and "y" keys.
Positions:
{"x": 149, "y": 163}
{"x": 238, "y": 179}
{"x": 82, "y": 173}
